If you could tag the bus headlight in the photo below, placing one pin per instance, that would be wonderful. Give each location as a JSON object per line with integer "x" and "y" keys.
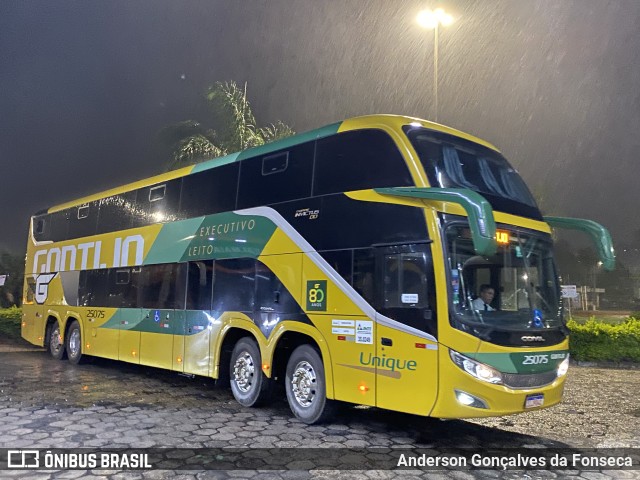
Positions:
{"x": 563, "y": 367}
{"x": 479, "y": 370}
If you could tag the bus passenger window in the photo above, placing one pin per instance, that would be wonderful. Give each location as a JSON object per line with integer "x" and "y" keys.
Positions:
{"x": 199, "y": 285}
{"x": 123, "y": 288}
{"x": 363, "y": 274}
{"x": 271, "y": 294}
{"x": 358, "y": 160}
{"x": 275, "y": 163}
{"x": 233, "y": 286}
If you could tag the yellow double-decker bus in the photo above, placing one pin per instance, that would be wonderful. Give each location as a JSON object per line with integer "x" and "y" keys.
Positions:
{"x": 383, "y": 260}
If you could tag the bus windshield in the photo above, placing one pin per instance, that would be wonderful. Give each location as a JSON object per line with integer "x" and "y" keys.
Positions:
{"x": 524, "y": 293}
{"x": 455, "y": 162}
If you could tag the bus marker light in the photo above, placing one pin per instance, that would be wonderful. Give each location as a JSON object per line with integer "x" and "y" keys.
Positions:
{"x": 88, "y": 346}
{"x": 563, "y": 367}
{"x": 24, "y": 324}
{"x": 179, "y": 359}
{"x": 421, "y": 345}
{"x": 363, "y": 388}
{"x": 265, "y": 367}
{"x": 341, "y": 337}
{"x": 133, "y": 352}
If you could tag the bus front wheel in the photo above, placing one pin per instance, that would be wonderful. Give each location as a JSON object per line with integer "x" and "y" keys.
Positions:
{"x": 306, "y": 388}
{"x": 73, "y": 343}
{"x": 249, "y": 385}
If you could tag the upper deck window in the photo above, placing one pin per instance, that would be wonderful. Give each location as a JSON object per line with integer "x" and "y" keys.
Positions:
{"x": 358, "y": 160}
{"x": 453, "y": 162}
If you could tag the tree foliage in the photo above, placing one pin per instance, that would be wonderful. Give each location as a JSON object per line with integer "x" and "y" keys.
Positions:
{"x": 12, "y": 266}
{"x": 190, "y": 142}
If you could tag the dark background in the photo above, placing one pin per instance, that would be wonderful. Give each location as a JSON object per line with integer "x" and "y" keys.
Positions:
{"x": 85, "y": 86}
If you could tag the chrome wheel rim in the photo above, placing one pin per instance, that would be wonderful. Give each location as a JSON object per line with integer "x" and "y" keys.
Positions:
{"x": 74, "y": 343}
{"x": 56, "y": 344}
{"x": 243, "y": 371}
{"x": 304, "y": 384}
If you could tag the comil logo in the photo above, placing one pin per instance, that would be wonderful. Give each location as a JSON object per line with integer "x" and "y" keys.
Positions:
{"x": 23, "y": 459}
{"x": 533, "y": 338}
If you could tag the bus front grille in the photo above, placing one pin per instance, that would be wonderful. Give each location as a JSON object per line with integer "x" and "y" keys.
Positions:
{"x": 534, "y": 380}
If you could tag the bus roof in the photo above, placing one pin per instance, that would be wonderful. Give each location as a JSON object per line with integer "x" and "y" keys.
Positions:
{"x": 355, "y": 123}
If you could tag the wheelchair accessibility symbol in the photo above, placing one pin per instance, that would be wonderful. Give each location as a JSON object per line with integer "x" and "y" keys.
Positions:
{"x": 156, "y": 316}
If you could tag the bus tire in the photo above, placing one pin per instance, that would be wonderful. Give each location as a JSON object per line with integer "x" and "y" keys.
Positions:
{"x": 250, "y": 387}
{"x": 73, "y": 343}
{"x": 56, "y": 345}
{"x": 306, "y": 388}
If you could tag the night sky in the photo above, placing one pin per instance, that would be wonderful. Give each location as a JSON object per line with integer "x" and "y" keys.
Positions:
{"x": 85, "y": 86}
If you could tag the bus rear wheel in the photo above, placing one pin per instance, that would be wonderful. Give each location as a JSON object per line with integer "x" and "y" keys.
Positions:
{"x": 56, "y": 344}
{"x": 306, "y": 388}
{"x": 73, "y": 343}
{"x": 250, "y": 387}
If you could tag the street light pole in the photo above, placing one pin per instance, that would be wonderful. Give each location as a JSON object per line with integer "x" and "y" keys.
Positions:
{"x": 432, "y": 20}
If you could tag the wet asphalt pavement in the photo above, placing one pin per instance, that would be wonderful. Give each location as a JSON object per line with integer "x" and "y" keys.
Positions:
{"x": 52, "y": 404}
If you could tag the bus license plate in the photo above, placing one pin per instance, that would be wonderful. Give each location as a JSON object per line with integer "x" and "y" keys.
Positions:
{"x": 534, "y": 401}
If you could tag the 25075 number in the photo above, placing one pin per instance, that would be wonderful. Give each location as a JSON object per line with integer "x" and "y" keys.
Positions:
{"x": 535, "y": 359}
{"x": 95, "y": 313}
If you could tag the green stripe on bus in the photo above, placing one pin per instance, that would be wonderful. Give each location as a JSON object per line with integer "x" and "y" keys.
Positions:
{"x": 524, "y": 363}
{"x": 223, "y": 235}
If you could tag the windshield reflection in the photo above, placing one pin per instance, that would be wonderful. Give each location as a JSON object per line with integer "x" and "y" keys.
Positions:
{"x": 515, "y": 289}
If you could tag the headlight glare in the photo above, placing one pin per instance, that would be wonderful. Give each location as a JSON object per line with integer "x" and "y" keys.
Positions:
{"x": 476, "y": 369}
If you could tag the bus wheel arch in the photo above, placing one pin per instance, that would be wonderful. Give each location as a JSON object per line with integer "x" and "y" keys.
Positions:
{"x": 53, "y": 340}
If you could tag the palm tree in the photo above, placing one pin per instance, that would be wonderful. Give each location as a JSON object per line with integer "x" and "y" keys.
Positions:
{"x": 189, "y": 142}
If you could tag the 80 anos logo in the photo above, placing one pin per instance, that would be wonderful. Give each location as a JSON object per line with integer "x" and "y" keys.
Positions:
{"x": 317, "y": 295}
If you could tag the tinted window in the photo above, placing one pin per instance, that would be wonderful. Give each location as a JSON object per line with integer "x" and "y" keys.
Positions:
{"x": 93, "y": 288}
{"x": 199, "y": 285}
{"x": 271, "y": 294}
{"x": 116, "y": 212}
{"x": 58, "y": 225}
{"x": 40, "y": 227}
{"x": 123, "y": 288}
{"x": 83, "y": 220}
{"x": 157, "y": 204}
{"x": 358, "y": 160}
{"x": 341, "y": 261}
{"x": 276, "y": 177}
{"x": 211, "y": 191}
{"x": 234, "y": 285}
{"x": 159, "y": 287}
{"x": 451, "y": 161}
{"x": 364, "y": 274}
{"x": 407, "y": 292}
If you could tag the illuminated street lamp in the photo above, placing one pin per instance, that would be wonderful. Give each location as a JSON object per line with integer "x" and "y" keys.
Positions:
{"x": 432, "y": 19}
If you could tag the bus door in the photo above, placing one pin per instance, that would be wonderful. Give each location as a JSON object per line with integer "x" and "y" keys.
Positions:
{"x": 162, "y": 316}
{"x": 406, "y": 346}
{"x": 198, "y": 320}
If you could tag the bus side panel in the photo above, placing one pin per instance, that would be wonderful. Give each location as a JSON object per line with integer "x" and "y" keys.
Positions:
{"x": 101, "y": 334}
{"x": 407, "y": 372}
{"x": 334, "y": 317}
{"x": 129, "y": 342}
{"x": 197, "y": 340}
{"x": 156, "y": 338}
